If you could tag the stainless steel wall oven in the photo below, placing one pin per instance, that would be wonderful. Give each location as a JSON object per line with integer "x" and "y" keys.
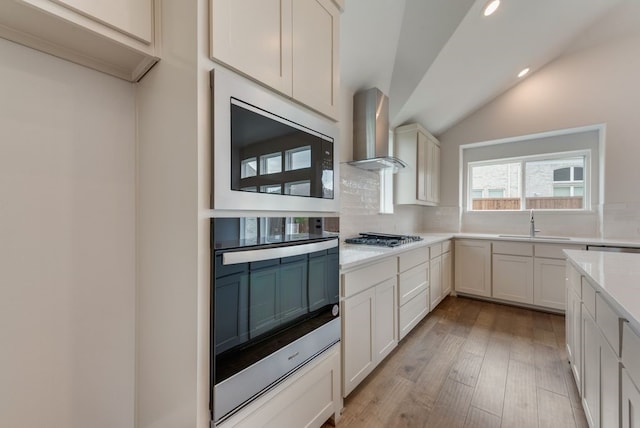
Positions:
{"x": 275, "y": 287}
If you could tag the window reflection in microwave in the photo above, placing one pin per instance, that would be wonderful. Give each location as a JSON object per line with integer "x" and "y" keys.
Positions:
{"x": 298, "y": 188}
{"x": 298, "y": 158}
{"x": 269, "y": 156}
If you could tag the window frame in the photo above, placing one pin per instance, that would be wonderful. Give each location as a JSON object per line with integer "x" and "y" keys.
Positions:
{"x": 523, "y": 160}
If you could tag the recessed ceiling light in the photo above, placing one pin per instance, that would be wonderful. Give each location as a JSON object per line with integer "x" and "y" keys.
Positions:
{"x": 491, "y": 7}
{"x": 523, "y": 72}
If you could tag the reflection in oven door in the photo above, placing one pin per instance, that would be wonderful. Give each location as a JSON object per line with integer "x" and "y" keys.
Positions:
{"x": 270, "y": 301}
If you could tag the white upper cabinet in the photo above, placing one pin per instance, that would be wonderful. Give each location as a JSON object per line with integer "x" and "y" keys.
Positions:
{"x": 419, "y": 182}
{"x": 263, "y": 53}
{"x": 131, "y": 17}
{"x": 290, "y": 46}
{"x": 112, "y": 36}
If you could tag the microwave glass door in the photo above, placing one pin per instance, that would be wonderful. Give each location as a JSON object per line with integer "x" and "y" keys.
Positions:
{"x": 272, "y": 155}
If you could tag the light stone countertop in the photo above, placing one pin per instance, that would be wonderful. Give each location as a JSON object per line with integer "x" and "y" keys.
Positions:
{"x": 353, "y": 256}
{"x": 616, "y": 276}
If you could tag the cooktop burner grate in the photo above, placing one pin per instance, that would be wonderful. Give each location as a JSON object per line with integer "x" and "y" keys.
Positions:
{"x": 382, "y": 239}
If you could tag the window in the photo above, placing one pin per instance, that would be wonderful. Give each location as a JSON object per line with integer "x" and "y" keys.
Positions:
{"x": 553, "y": 181}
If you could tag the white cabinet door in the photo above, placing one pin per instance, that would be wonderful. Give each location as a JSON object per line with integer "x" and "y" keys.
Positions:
{"x": 513, "y": 278}
{"x": 473, "y": 267}
{"x": 358, "y": 313}
{"x": 573, "y": 320}
{"x": 549, "y": 283}
{"x": 422, "y": 188}
{"x": 609, "y": 386}
{"x": 433, "y": 171}
{"x": 290, "y": 46}
{"x": 419, "y": 182}
{"x": 435, "y": 281}
{"x": 263, "y": 53}
{"x": 630, "y": 402}
{"x": 315, "y": 30}
{"x": 130, "y": 16}
{"x": 112, "y": 36}
{"x": 590, "y": 370}
{"x": 386, "y": 319}
{"x": 446, "y": 274}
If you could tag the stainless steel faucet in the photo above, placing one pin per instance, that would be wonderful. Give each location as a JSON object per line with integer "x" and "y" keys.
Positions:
{"x": 532, "y": 226}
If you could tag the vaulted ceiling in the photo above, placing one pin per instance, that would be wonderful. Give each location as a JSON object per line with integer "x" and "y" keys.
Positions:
{"x": 440, "y": 60}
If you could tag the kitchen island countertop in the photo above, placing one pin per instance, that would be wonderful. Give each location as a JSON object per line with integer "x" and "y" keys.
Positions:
{"x": 616, "y": 276}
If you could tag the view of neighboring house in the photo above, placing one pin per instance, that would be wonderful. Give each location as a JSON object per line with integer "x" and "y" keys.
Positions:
{"x": 556, "y": 183}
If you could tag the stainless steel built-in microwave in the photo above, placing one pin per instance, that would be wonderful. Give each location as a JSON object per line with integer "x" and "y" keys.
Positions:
{"x": 268, "y": 153}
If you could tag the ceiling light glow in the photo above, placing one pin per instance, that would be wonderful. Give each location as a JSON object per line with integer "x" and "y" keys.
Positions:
{"x": 491, "y": 7}
{"x": 523, "y": 72}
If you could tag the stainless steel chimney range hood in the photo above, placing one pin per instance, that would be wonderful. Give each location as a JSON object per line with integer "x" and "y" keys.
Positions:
{"x": 371, "y": 132}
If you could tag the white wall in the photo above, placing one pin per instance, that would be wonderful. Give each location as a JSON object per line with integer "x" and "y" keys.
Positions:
{"x": 594, "y": 84}
{"x": 67, "y": 244}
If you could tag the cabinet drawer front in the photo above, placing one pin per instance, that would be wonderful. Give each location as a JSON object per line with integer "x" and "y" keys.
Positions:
{"x": 609, "y": 323}
{"x": 513, "y": 248}
{"x": 435, "y": 250}
{"x": 589, "y": 297}
{"x": 554, "y": 251}
{"x": 413, "y": 282}
{"x": 411, "y": 313}
{"x": 366, "y": 277}
{"x": 630, "y": 352}
{"x": 446, "y": 246}
{"x": 412, "y": 258}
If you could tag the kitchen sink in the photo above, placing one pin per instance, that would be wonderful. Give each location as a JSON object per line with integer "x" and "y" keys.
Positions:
{"x": 557, "y": 238}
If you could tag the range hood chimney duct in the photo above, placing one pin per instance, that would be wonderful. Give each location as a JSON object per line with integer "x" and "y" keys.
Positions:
{"x": 371, "y": 132}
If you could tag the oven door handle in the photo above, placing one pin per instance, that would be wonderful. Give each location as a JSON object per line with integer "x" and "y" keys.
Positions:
{"x": 236, "y": 257}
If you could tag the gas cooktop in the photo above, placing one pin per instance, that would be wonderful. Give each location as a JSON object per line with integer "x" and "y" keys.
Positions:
{"x": 382, "y": 239}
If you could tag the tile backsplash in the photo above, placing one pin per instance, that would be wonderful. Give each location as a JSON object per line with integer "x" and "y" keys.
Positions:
{"x": 360, "y": 204}
{"x": 621, "y": 220}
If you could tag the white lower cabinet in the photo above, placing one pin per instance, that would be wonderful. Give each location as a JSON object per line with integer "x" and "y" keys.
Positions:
{"x": 548, "y": 283}
{"x": 594, "y": 350}
{"x": 513, "y": 278}
{"x": 473, "y": 267}
{"x": 447, "y": 273}
{"x": 385, "y": 331}
{"x": 630, "y": 402}
{"x": 435, "y": 282}
{"x": 369, "y": 320}
{"x": 573, "y": 320}
{"x": 591, "y": 370}
{"x": 307, "y": 399}
{"x": 530, "y": 273}
{"x": 601, "y": 378}
{"x": 413, "y": 312}
{"x": 357, "y": 339}
{"x": 630, "y": 377}
{"x": 413, "y": 289}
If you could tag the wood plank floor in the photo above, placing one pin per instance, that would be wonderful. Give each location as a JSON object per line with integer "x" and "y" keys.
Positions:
{"x": 472, "y": 364}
